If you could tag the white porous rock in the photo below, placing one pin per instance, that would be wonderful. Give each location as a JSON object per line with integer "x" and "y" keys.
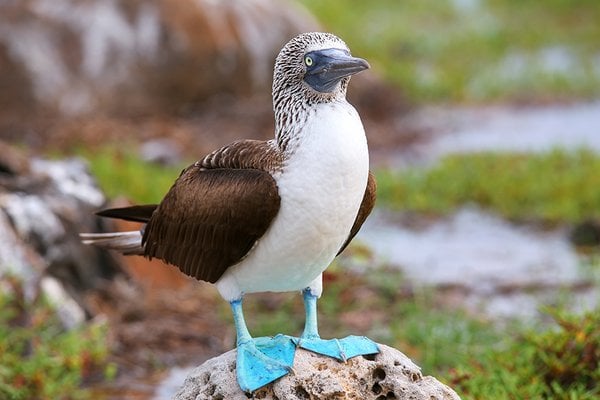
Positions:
{"x": 387, "y": 375}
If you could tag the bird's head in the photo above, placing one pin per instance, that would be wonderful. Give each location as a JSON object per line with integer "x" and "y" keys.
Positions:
{"x": 316, "y": 66}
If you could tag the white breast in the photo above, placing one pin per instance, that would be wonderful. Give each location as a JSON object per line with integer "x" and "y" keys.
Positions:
{"x": 321, "y": 188}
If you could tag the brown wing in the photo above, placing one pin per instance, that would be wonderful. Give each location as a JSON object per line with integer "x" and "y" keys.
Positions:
{"x": 368, "y": 202}
{"x": 211, "y": 218}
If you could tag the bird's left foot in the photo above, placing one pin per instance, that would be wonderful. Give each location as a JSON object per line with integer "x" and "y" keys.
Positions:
{"x": 341, "y": 349}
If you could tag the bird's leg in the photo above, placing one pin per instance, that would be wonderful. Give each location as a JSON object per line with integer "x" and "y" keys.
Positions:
{"x": 260, "y": 361}
{"x": 342, "y": 349}
{"x": 241, "y": 330}
{"x": 311, "y": 329}
{"x": 310, "y": 339}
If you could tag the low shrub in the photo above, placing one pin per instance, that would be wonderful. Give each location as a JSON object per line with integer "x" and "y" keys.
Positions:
{"x": 39, "y": 359}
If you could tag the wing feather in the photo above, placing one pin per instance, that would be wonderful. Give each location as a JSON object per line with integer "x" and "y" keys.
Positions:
{"x": 214, "y": 213}
{"x": 133, "y": 213}
{"x": 211, "y": 218}
{"x": 368, "y": 202}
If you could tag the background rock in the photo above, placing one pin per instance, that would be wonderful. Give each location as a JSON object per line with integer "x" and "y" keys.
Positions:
{"x": 44, "y": 204}
{"x": 75, "y": 56}
{"x": 387, "y": 375}
{"x": 196, "y": 72}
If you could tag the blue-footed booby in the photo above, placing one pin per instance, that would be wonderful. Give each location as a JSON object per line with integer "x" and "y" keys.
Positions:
{"x": 258, "y": 216}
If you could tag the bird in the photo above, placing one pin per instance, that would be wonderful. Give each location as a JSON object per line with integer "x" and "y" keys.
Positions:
{"x": 271, "y": 216}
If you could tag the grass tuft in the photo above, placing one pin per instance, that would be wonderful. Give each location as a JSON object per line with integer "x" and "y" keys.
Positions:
{"x": 120, "y": 172}
{"x": 558, "y": 186}
{"x": 562, "y": 362}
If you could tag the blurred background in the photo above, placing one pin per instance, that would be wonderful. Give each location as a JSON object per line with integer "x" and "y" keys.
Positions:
{"x": 480, "y": 262}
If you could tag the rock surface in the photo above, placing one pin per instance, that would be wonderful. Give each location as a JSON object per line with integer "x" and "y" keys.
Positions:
{"x": 388, "y": 375}
{"x": 198, "y": 72}
{"x": 44, "y": 204}
{"x": 76, "y": 57}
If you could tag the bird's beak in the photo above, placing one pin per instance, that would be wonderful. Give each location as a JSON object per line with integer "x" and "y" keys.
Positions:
{"x": 329, "y": 66}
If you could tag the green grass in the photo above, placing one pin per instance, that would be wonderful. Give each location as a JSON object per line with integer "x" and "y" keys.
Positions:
{"x": 561, "y": 362}
{"x": 495, "y": 51}
{"x": 122, "y": 173}
{"x": 38, "y": 358}
{"x": 558, "y": 186}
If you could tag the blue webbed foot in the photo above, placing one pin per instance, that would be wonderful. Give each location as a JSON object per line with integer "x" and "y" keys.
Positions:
{"x": 280, "y": 347}
{"x": 263, "y": 360}
{"x": 341, "y": 349}
{"x": 353, "y": 346}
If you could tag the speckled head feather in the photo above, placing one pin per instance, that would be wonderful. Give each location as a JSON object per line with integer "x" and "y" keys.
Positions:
{"x": 292, "y": 96}
{"x": 290, "y": 68}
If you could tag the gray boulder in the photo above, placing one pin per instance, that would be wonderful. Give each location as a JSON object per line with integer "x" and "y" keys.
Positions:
{"x": 76, "y": 57}
{"x": 44, "y": 204}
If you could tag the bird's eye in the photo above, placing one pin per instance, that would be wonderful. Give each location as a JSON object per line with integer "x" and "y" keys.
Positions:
{"x": 308, "y": 61}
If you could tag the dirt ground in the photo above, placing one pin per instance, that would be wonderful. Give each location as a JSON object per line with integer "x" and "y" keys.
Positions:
{"x": 152, "y": 329}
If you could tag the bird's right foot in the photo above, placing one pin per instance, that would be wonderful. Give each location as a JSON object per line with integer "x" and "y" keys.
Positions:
{"x": 263, "y": 360}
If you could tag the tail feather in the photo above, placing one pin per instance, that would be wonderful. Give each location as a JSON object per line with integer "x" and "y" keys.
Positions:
{"x": 128, "y": 243}
{"x": 133, "y": 213}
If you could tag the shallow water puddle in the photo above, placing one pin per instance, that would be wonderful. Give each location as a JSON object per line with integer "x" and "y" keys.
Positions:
{"x": 500, "y": 269}
{"x": 516, "y": 129}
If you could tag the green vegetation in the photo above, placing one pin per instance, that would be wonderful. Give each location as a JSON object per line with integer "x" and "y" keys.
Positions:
{"x": 38, "y": 358}
{"x": 122, "y": 173}
{"x": 560, "y": 363}
{"x": 480, "y": 360}
{"x": 474, "y": 50}
{"x": 557, "y": 186}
